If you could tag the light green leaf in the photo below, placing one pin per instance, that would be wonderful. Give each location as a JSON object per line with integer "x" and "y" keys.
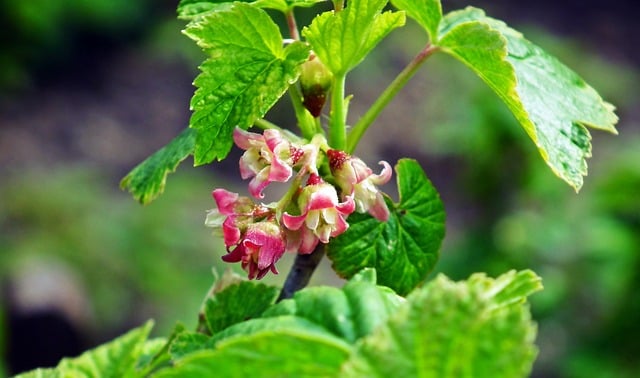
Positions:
{"x": 192, "y": 9}
{"x": 341, "y": 40}
{"x": 230, "y": 305}
{"x": 350, "y": 313}
{"x": 279, "y": 353}
{"x": 476, "y": 328}
{"x": 248, "y": 70}
{"x": 116, "y": 358}
{"x": 147, "y": 180}
{"x": 551, "y": 102}
{"x": 427, "y": 13}
{"x": 405, "y": 248}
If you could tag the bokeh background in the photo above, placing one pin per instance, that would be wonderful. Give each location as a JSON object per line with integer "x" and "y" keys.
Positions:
{"x": 89, "y": 88}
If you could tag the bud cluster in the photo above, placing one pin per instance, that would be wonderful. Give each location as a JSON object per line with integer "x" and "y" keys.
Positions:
{"x": 314, "y": 210}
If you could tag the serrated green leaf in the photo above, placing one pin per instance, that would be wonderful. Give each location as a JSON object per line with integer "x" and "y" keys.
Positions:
{"x": 551, "y": 102}
{"x": 192, "y": 9}
{"x": 350, "y": 313}
{"x": 238, "y": 302}
{"x": 248, "y": 70}
{"x": 116, "y": 358}
{"x": 475, "y": 328}
{"x": 281, "y": 353}
{"x": 342, "y": 39}
{"x": 147, "y": 180}
{"x": 427, "y": 13}
{"x": 405, "y": 248}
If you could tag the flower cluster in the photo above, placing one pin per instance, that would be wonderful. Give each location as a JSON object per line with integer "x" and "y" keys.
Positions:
{"x": 312, "y": 211}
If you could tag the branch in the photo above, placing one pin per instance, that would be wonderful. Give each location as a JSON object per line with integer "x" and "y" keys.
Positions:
{"x": 300, "y": 274}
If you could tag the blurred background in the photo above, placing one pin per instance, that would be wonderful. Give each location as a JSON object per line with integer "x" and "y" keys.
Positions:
{"x": 89, "y": 88}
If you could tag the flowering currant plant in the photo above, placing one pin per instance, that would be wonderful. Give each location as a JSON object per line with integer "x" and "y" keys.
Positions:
{"x": 388, "y": 319}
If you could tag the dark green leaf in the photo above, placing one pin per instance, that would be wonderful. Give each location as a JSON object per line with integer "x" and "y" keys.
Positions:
{"x": 248, "y": 70}
{"x": 147, "y": 180}
{"x": 476, "y": 328}
{"x": 551, "y": 102}
{"x": 343, "y": 39}
{"x": 238, "y": 302}
{"x": 427, "y": 13}
{"x": 404, "y": 249}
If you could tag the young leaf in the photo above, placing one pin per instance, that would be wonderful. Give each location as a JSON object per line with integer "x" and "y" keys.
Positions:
{"x": 248, "y": 70}
{"x": 350, "y": 313}
{"x": 405, "y": 248}
{"x": 551, "y": 102}
{"x": 147, "y": 180}
{"x": 231, "y": 306}
{"x": 40, "y": 373}
{"x": 341, "y": 40}
{"x": 280, "y": 353}
{"x": 478, "y": 328}
{"x": 427, "y": 13}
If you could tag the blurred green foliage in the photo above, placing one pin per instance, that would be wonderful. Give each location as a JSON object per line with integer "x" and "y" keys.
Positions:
{"x": 132, "y": 262}
{"x": 41, "y": 34}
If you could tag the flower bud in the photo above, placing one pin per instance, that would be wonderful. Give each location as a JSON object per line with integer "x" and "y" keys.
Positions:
{"x": 315, "y": 82}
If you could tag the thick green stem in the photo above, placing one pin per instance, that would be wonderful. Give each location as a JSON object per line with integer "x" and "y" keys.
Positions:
{"x": 386, "y": 96}
{"x": 337, "y": 124}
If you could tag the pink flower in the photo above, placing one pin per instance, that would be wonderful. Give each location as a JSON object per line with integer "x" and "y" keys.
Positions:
{"x": 323, "y": 216}
{"x": 261, "y": 246}
{"x": 357, "y": 180}
{"x": 267, "y": 158}
{"x": 250, "y": 233}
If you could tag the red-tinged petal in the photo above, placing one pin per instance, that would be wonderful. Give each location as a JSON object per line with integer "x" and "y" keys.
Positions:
{"x": 293, "y": 222}
{"x": 347, "y": 207}
{"x": 309, "y": 241}
{"x": 340, "y": 227}
{"x": 246, "y": 139}
{"x": 379, "y": 209}
{"x": 225, "y": 201}
{"x": 385, "y": 174}
{"x": 230, "y": 232}
{"x": 234, "y": 256}
{"x": 279, "y": 172}
{"x": 258, "y": 183}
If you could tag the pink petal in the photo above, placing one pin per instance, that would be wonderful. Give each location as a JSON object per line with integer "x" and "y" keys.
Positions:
{"x": 225, "y": 201}
{"x": 347, "y": 207}
{"x": 384, "y": 176}
{"x": 293, "y": 222}
{"x": 258, "y": 183}
{"x": 379, "y": 209}
{"x": 309, "y": 241}
{"x": 244, "y": 138}
{"x": 340, "y": 227}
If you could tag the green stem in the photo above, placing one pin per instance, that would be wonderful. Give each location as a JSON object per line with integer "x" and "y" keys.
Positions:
{"x": 264, "y": 124}
{"x": 337, "y": 123}
{"x": 338, "y": 5}
{"x": 386, "y": 96}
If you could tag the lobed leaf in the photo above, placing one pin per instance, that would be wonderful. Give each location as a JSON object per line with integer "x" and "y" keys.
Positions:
{"x": 551, "y": 102}
{"x": 247, "y": 71}
{"x": 280, "y": 353}
{"x": 147, "y": 180}
{"x": 405, "y": 248}
{"x": 476, "y": 328}
{"x": 349, "y": 313}
{"x": 192, "y": 9}
{"x": 342, "y": 39}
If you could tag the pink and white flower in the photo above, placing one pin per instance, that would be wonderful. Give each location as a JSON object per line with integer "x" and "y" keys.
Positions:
{"x": 267, "y": 158}
{"x": 322, "y": 214}
{"x": 259, "y": 249}
{"x": 356, "y": 179}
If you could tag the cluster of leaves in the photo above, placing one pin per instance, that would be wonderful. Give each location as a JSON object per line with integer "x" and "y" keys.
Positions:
{"x": 478, "y": 327}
